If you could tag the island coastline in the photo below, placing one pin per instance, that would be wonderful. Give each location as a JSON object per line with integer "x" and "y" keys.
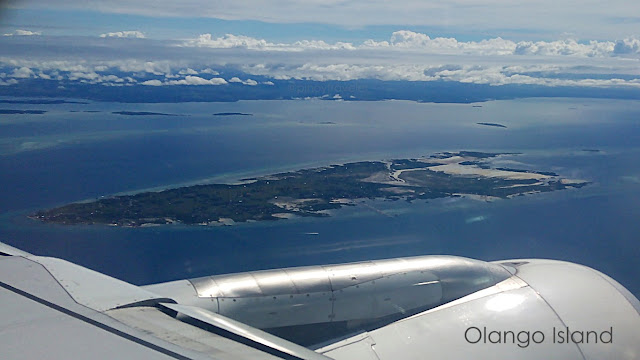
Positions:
{"x": 313, "y": 192}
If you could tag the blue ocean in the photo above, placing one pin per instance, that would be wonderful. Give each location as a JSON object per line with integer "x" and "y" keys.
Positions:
{"x": 77, "y": 152}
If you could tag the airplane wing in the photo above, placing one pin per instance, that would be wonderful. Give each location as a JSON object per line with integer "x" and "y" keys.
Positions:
{"x": 407, "y": 308}
{"x": 53, "y": 309}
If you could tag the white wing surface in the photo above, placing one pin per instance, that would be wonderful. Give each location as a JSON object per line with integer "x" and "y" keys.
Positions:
{"x": 407, "y": 308}
{"x": 52, "y": 309}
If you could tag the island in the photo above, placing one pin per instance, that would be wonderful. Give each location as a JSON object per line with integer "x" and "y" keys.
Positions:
{"x": 232, "y": 114}
{"x": 21, "y": 112}
{"x": 40, "y": 102}
{"x": 141, "y": 113}
{"x": 315, "y": 192}
{"x": 491, "y": 124}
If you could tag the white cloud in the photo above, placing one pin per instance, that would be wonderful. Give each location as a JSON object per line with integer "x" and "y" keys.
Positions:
{"x": 491, "y": 75}
{"x": 83, "y": 75}
{"x": 565, "y": 48}
{"x": 408, "y": 40}
{"x": 196, "y": 80}
{"x": 20, "y": 32}
{"x": 209, "y": 71}
{"x": 124, "y": 34}
{"x": 405, "y": 40}
{"x": 22, "y": 73}
{"x": 8, "y": 82}
{"x": 229, "y": 41}
{"x": 321, "y": 45}
{"x": 627, "y": 46}
{"x": 250, "y": 82}
{"x": 188, "y": 80}
{"x": 152, "y": 83}
{"x": 92, "y": 77}
{"x": 188, "y": 71}
{"x": 134, "y": 65}
{"x": 111, "y": 79}
{"x": 406, "y": 56}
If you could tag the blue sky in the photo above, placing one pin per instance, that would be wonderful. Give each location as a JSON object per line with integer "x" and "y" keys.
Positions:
{"x": 280, "y": 20}
{"x": 69, "y": 22}
{"x": 162, "y": 43}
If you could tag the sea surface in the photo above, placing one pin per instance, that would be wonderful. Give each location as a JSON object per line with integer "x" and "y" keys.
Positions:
{"x": 69, "y": 154}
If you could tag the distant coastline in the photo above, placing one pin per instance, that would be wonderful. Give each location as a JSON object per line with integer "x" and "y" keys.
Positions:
{"x": 40, "y": 102}
{"x": 352, "y": 90}
{"x": 21, "y": 112}
{"x": 142, "y": 113}
{"x": 232, "y": 114}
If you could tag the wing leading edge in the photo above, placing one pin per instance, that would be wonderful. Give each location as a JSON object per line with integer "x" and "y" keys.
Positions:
{"x": 50, "y": 308}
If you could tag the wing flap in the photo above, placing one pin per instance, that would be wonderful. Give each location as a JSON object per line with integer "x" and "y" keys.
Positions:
{"x": 243, "y": 333}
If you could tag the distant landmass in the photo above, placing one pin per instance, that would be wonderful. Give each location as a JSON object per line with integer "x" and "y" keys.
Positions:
{"x": 40, "y": 102}
{"x": 313, "y": 192}
{"x": 141, "y": 113}
{"x": 21, "y": 112}
{"x": 293, "y": 89}
{"x": 231, "y": 114}
{"x": 491, "y": 124}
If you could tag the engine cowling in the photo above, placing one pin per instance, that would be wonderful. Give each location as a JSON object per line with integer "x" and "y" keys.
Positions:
{"x": 350, "y": 296}
{"x": 547, "y": 310}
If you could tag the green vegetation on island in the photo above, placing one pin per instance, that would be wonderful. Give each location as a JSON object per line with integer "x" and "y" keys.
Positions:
{"x": 311, "y": 192}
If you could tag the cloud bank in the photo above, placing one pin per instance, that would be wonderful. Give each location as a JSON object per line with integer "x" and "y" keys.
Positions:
{"x": 124, "y": 34}
{"x": 188, "y": 80}
{"x": 20, "y": 32}
{"x": 232, "y": 60}
{"x": 405, "y": 40}
{"x": 229, "y": 41}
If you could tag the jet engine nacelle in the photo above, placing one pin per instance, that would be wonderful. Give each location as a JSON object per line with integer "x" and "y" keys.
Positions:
{"x": 408, "y": 307}
{"x": 547, "y": 310}
{"x": 355, "y": 293}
